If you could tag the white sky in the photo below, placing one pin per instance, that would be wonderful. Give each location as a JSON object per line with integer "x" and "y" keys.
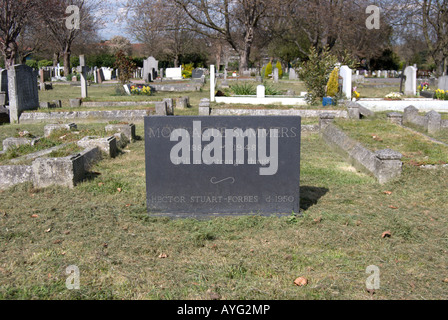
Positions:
{"x": 114, "y": 25}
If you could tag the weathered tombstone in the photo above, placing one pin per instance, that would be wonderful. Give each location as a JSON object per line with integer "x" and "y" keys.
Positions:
{"x": 276, "y": 75}
{"x": 100, "y": 76}
{"x": 23, "y": 91}
{"x": 186, "y": 175}
{"x": 410, "y": 87}
{"x": 150, "y": 69}
{"x": 197, "y": 73}
{"x": 443, "y": 83}
{"x": 346, "y": 74}
{"x": 292, "y": 74}
{"x": 83, "y": 71}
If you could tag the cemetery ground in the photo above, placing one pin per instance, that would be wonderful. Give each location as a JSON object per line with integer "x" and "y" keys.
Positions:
{"x": 102, "y": 227}
{"x": 348, "y": 222}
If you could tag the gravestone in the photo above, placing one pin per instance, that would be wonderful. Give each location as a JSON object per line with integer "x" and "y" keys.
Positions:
{"x": 150, "y": 69}
{"x": 100, "y": 75}
{"x": 212, "y": 83}
{"x": 411, "y": 81}
{"x": 346, "y": 74}
{"x": 276, "y": 75}
{"x": 4, "y": 84}
{"x": 202, "y": 166}
{"x": 23, "y": 91}
{"x": 293, "y": 74}
{"x": 443, "y": 83}
{"x": 197, "y": 73}
{"x": 83, "y": 70}
{"x": 174, "y": 73}
{"x": 261, "y": 92}
{"x": 107, "y": 73}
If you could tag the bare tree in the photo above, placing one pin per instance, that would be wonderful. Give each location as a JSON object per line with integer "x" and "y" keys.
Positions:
{"x": 233, "y": 21}
{"x": 54, "y": 14}
{"x": 162, "y": 26}
{"x": 339, "y": 25}
{"x": 13, "y": 18}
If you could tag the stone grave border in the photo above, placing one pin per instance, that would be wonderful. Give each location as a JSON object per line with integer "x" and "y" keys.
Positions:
{"x": 65, "y": 171}
{"x": 384, "y": 165}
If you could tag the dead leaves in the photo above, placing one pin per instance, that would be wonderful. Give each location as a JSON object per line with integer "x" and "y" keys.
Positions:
{"x": 301, "y": 282}
{"x": 386, "y": 234}
{"x": 163, "y": 256}
{"x": 376, "y": 138}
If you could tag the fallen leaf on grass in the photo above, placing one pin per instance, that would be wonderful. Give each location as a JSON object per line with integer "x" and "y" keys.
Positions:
{"x": 163, "y": 256}
{"x": 386, "y": 234}
{"x": 388, "y": 192}
{"x": 100, "y": 184}
{"x": 119, "y": 189}
{"x": 48, "y": 230}
{"x": 318, "y": 220}
{"x": 57, "y": 241}
{"x": 301, "y": 282}
{"x": 393, "y": 207}
{"x": 446, "y": 280}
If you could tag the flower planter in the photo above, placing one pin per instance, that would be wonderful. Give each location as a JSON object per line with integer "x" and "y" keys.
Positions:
{"x": 328, "y": 101}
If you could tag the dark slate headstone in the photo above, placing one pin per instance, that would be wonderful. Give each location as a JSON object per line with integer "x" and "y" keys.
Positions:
{"x": 23, "y": 91}
{"x": 4, "y": 83}
{"x": 248, "y": 165}
{"x": 197, "y": 73}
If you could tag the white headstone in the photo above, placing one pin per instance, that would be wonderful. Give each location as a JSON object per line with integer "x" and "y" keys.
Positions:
{"x": 411, "y": 81}
{"x": 173, "y": 73}
{"x": 107, "y": 72}
{"x": 261, "y": 91}
{"x": 346, "y": 74}
{"x": 212, "y": 83}
{"x": 292, "y": 74}
{"x": 276, "y": 75}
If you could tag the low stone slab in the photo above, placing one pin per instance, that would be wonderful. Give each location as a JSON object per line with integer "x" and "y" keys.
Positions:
{"x": 50, "y": 128}
{"x": 113, "y": 115}
{"x": 90, "y": 157}
{"x": 128, "y": 130}
{"x": 66, "y": 172}
{"x": 16, "y": 142}
{"x": 107, "y": 145}
{"x": 384, "y": 165}
{"x": 38, "y": 154}
{"x": 13, "y": 175}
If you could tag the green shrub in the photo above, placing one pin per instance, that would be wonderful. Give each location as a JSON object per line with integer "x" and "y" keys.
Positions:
{"x": 271, "y": 91}
{"x": 333, "y": 83}
{"x": 45, "y": 63}
{"x": 32, "y": 64}
{"x": 315, "y": 72}
{"x": 243, "y": 89}
{"x": 268, "y": 70}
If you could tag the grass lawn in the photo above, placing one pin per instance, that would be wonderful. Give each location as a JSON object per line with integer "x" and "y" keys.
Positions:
{"x": 119, "y": 248}
{"x": 377, "y": 134}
